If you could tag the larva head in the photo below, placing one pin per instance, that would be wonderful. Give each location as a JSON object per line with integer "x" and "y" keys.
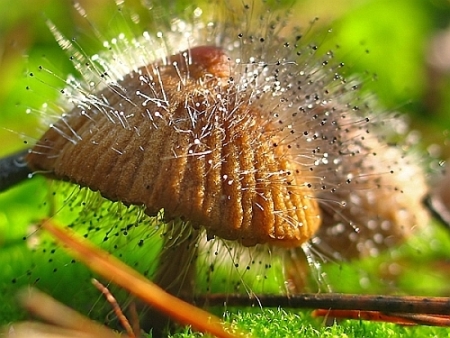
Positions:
{"x": 181, "y": 136}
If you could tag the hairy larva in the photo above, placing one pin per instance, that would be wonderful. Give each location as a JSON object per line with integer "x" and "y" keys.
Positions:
{"x": 238, "y": 134}
{"x": 184, "y": 135}
{"x": 226, "y": 137}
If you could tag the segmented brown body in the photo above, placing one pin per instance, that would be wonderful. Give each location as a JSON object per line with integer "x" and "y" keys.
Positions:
{"x": 177, "y": 136}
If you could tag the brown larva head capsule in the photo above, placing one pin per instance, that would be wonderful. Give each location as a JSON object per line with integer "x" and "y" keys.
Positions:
{"x": 179, "y": 135}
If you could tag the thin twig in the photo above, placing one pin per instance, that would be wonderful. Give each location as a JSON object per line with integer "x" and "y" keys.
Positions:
{"x": 116, "y": 308}
{"x": 335, "y": 301}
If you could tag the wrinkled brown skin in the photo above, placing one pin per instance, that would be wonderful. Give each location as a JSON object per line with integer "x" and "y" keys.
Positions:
{"x": 232, "y": 182}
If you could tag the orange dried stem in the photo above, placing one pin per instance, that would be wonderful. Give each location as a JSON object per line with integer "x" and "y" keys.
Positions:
{"x": 119, "y": 273}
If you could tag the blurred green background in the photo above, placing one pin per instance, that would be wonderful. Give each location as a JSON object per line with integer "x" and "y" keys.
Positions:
{"x": 397, "y": 47}
{"x": 390, "y": 40}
